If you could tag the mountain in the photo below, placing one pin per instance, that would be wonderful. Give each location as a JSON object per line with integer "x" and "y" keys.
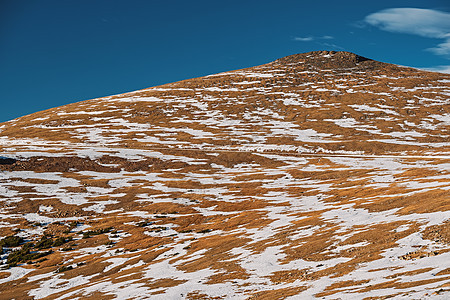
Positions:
{"x": 323, "y": 174}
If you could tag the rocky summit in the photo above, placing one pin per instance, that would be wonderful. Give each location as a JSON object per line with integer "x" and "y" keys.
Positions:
{"x": 318, "y": 175}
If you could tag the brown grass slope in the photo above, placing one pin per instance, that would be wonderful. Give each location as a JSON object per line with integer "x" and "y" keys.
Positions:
{"x": 322, "y": 174}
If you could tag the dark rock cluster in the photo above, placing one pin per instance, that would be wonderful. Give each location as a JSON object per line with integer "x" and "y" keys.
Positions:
{"x": 330, "y": 60}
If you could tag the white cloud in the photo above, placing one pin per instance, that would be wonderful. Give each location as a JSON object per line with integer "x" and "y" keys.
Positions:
{"x": 427, "y": 23}
{"x": 440, "y": 69}
{"x": 442, "y": 48}
{"x": 332, "y": 46}
{"x": 313, "y": 38}
{"x": 304, "y": 39}
{"x": 424, "y": 22}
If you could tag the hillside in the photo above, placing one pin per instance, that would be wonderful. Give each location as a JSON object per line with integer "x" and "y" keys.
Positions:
{"x": 323, "y": 174}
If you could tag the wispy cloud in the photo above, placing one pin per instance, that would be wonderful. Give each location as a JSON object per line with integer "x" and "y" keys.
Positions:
{"x": 427, "y": 23}
{"x": 313, "y": 38}
{"x": 442, "y": 48}
{"x": 304, "y": 39}
{"x": 333, "y": 46}
{"x": 441, "y": 69}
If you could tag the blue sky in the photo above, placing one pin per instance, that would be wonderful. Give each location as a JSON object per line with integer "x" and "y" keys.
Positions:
{"x": 54, "y": 52}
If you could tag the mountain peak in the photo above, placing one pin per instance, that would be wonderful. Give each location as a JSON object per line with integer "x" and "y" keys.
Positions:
{"x": 329, "y": 60}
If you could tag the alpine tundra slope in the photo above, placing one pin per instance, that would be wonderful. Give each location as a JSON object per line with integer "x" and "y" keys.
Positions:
{"x": 323, "y": 174}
